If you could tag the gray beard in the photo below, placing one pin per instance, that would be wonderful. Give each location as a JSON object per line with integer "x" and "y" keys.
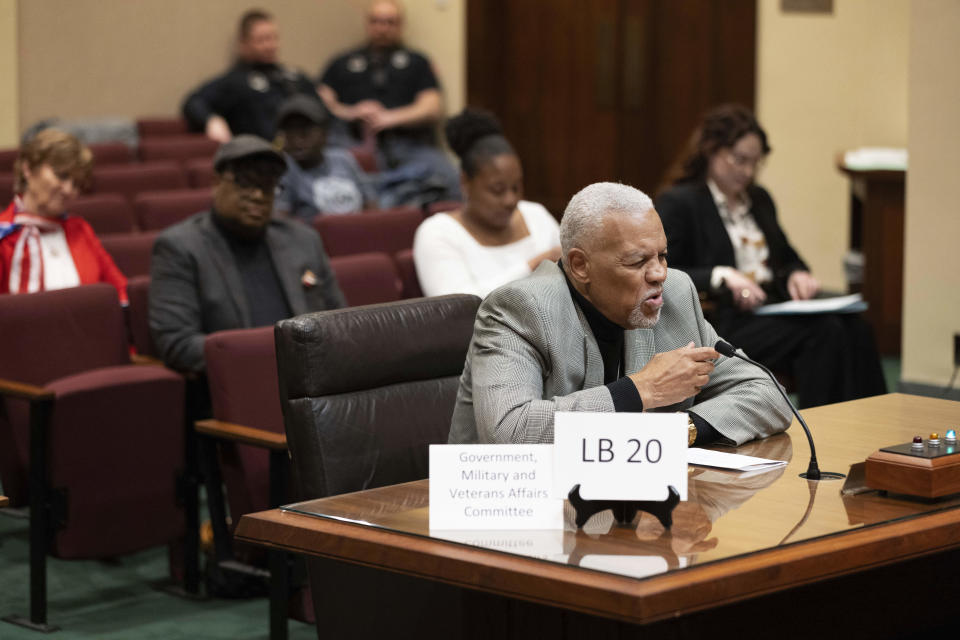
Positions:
{"x": 638, "y": 320}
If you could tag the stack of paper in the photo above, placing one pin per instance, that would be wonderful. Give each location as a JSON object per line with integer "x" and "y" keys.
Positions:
{"x": 734, "y": 461}
{"x": 876, "y": 159}
{"x": 853, "y": 303}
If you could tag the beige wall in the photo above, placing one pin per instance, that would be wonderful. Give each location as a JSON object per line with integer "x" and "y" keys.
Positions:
{"x": 91, "y": 58}
{"x": 439, "y": 29}
{"x": 932, "y": 262}
{"x": 9, "y": 91}
{"x": 826, "y": 83}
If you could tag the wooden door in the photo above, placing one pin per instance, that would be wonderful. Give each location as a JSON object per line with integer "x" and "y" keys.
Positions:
{"x": 591, "y": 90}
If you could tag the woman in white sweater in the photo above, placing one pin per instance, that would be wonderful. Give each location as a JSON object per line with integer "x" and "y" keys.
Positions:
{"x": 496, "y": 236}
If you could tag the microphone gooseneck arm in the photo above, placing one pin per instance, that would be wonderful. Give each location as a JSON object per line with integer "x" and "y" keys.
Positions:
{"x": 724, "y": 348}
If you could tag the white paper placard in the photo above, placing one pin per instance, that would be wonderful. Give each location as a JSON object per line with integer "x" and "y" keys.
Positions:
{"x": 493, "y": 486}
{"x": 620, "y": 456}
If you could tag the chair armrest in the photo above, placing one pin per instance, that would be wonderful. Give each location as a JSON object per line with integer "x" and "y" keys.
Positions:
{"x": 117, "y": 376}
{"x": 139, "y": 358}
{"x": 152, "y": 361}
{"x": 25, "y": 391}
{"x": 239, "y": 433}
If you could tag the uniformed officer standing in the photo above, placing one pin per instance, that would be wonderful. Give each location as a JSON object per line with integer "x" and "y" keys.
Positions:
{"x": 246, "y": 98}
{"x": 389, "y": 94}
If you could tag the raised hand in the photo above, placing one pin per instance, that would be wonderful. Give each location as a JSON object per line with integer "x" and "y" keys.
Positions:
{"x": 674, "y": 376}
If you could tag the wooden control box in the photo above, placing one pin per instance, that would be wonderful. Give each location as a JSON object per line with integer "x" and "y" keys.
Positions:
{"x": 930, "y": 472}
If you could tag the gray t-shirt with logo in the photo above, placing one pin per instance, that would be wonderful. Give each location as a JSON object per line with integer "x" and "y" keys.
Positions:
{"x": 337, "y": 185}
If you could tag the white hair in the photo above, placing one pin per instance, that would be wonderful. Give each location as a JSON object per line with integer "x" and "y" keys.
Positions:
{"x": 585, "y": 212}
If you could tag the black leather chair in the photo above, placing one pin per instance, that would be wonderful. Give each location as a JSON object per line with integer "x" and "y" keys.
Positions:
{"x": 364, "y": 392}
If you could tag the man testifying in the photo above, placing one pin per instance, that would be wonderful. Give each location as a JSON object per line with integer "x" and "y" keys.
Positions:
{"x": 610, "y": 328}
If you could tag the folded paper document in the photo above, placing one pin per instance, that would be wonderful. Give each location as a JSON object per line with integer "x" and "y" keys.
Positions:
{"x": 734, "y": 461}
{"x": 840, "y": 304}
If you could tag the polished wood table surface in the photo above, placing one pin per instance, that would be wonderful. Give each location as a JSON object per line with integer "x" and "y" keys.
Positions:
{"x": 738, "y": 537}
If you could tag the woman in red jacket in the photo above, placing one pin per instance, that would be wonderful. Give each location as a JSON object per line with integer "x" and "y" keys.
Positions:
{"x": 42, "y": 247}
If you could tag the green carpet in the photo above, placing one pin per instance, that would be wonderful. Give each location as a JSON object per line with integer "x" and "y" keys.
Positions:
{"x": 121, "y": 599}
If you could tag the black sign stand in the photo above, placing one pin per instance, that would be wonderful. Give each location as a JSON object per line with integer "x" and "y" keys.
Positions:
{"x": 625, "y": 510}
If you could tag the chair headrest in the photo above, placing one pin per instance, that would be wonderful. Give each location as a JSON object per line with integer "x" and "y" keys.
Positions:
{"x": 61, "y": 332}
{"x": 357, "y": 348}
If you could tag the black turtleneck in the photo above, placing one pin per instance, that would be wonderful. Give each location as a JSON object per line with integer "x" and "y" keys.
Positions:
{"x": 609, "y": 336}
{"x": 261, "y": 285}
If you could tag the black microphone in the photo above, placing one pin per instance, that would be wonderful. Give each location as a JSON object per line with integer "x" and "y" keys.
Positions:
{"x": 813, "y": 472}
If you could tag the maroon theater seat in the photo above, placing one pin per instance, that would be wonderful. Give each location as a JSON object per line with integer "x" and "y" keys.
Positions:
{"x": 149, "y": 127}
{"x": 7, "y": 159}
{"x": 387, "y": 231}
{"x": 100, "y": 439}
{"x": 406, "y": 210}
{"x": 138, "y": 315}
{"x": 366, "y": 278}
{"x": 410, "y": 283}
{"x": 180, "y": 147}
{"x": 108, "y": 153}
{"x": 107, "y": 213}
{"x": 104, "y": 153}
{"x": 200, "y": 173}
{"x": 6, "y": 189}
{"x": 131, "y": 251}
{"x": 160, "y": 209}
{"x": 131, "y": 179}
{"x": 242, "y": 374}
{"x": 443, "y": 206}
{"x": 365, "y": 158}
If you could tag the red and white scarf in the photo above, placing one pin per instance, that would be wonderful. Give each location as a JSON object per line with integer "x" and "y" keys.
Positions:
{"x": 41, "y": 240}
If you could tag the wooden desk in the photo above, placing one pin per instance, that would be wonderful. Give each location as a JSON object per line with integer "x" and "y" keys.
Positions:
{"x": 760, "y": 538}
{"x": 876, "y": 229}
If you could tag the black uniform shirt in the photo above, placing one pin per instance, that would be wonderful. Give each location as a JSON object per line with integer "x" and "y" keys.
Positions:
{"x": 392, "y": 77}
{"x": 247, "y": 96}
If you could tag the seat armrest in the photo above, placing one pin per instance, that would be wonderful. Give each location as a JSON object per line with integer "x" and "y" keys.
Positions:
{"x": 242, "y": 434}
{"x": 114, "y": 376}
{"x": 139, "y": 358}
{"x": 25, "y": 391}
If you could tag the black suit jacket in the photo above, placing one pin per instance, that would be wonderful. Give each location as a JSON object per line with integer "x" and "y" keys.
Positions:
{"x": 697, "y": 241}
{"x": 196, "y": 289}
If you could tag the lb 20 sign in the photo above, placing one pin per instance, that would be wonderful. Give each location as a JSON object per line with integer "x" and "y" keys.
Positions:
{"x": 620, "y": 456}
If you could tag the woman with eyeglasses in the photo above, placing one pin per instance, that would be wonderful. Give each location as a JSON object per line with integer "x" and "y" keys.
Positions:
{"x": 42, "y": 246}
{"x": 722, "y": 230}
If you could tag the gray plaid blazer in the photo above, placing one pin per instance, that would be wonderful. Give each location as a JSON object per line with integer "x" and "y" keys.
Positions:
{"x": 533, "y": 353}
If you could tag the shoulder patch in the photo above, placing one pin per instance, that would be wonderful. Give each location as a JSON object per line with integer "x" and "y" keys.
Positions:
{"x": 356, "y": 63}
{"x": 257, "y": 81}
{"x": 400, "y": 59}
